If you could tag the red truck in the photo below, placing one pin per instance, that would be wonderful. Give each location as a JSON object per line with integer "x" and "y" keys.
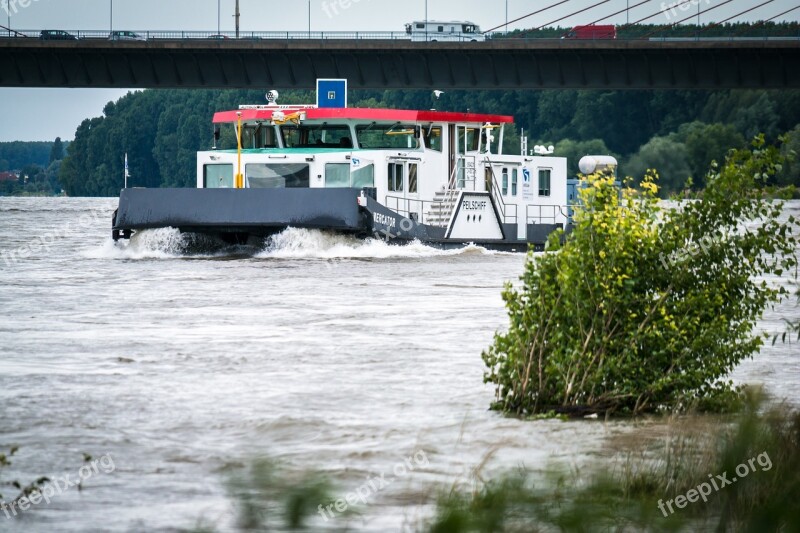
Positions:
{"x": 592, "y": 32}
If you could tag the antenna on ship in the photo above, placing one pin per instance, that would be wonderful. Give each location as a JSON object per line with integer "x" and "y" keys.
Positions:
{"x": 126, "y": 174}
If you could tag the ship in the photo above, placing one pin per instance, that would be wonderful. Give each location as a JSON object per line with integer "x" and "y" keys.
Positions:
{"x": 438, "y": 177}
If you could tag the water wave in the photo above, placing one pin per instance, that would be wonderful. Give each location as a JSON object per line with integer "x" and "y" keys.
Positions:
{"x": 165, "y": 243}
{"x": 293, "y": 243}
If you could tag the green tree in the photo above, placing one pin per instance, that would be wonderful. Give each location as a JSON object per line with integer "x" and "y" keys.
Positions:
{"x": 706, "y": 143}
{"x": 645, "y": 308}
{"x": 57, "y": 151}
{"x": 790, "y": 173}
{"x": 666, "y": 154}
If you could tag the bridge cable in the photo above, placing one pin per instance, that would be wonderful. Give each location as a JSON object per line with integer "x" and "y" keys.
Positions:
{"x": 740, "y": 14}
{"x": 613, "y": 14}
{"x": 529, "y": 15}
{"x": 657, "y": 13}
{"x": 691, "y": 17}
{"x": 573, "y": 14}
{"x": 762, "y": 22}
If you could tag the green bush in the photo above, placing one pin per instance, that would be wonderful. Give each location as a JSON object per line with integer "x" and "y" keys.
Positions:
{"x": 643, "y": 307}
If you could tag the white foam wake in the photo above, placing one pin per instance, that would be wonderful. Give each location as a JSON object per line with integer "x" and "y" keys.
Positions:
{"x": 162, "y": 243}
{"x": 292, "y": 243}
{"x": 295, "y": 243}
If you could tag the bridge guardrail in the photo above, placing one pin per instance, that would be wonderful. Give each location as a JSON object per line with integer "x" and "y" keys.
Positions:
{"x": 178, "y": 35}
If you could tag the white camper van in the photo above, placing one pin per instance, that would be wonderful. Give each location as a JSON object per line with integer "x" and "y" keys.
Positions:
{"x": 459, "y": 31}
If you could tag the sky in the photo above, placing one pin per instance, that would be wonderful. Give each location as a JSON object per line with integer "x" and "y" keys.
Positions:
{"x": 44, "y": 114}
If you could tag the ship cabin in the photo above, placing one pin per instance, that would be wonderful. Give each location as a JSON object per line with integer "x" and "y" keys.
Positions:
{"x": 415, "y": 163}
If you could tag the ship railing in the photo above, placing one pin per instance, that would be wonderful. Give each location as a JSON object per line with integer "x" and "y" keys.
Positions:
{"x": 411, "y": 208}
{"x": 546, "y": 214}
{"x": 452, "y": 192}
{"x": 508, "y": 212}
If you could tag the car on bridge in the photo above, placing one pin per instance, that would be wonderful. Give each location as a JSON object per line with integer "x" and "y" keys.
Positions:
{"x": 56, "y": 35}
{"x": 125, "y": 36}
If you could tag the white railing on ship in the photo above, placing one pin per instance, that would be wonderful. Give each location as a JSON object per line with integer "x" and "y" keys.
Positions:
{"x": 407, "y": 207}
{"x": 545, "y": 214}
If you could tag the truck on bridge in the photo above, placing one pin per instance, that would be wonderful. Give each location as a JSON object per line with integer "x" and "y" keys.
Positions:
{"x": 592, "y": 31}
{"x": 431, "y": 30}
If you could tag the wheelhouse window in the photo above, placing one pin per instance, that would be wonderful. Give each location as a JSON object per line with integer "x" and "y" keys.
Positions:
{"x": 337, "y": 175}
{"x": 432, "y": 136}
{"x": 324, "y": 136}
{"x": 468, "y": 28}
{"x": 259, "y": 136}
{"x": 514, "y": 175}
{"x": 218, "y": 176}
{"x": 544, "y": 182}
{"x": 277, "y": 175}
{"x": 441, "y": 29}
{"x": 505, "y": 182}
{"x": 468, "y": 139}
{"x": 395, "y": 183}
{"x": 387, "y": 137}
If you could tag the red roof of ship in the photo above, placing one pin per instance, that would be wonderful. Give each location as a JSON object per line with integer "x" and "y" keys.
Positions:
{"x": 355, "y": 113}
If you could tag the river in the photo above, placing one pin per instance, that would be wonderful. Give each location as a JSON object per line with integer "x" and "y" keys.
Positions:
{"x": 172, "y": 365}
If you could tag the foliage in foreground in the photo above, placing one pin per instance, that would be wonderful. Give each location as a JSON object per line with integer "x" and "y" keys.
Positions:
{"x": 272, "y": 499}
{"x": 627, "y": 498}
{"x": 646, "y": 308}
{"x": 657, "y": 463}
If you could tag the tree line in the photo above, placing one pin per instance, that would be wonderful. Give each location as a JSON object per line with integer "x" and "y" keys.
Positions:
{"x": 677, "y": 132}
{"x": 37, "y": 165}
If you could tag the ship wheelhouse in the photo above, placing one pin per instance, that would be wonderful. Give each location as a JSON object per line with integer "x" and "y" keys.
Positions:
{"x": 415, "y": 163}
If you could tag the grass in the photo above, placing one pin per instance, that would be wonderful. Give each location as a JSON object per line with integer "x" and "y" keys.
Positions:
{"x": 652, "y": 467}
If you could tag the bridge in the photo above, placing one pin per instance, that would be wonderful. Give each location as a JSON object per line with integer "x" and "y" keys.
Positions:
{"x": 390, "y": 62}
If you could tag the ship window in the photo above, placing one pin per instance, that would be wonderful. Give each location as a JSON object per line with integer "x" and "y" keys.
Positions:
{"x": 277, "y": 175}
{"x": 364, "y": 176}
{"x": 468, "y": 139}
{"x": 387, "y": 137}
{"x": 217, "y": 176}
{"x": 259, "y": 136}
{"x": 337, "y": 175}
{"x": 412, "y": 177}
{"x": 420, "y": 26}
{"x": 395, "y": 177}
{"x": 514, "y": 174}
{"x": 316, "y": 136}
{"x": 441, "y": 29}
{"x": 433, "y": 138}
{"x": 544, "y": 182}
{"x": 505, "y": 182}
